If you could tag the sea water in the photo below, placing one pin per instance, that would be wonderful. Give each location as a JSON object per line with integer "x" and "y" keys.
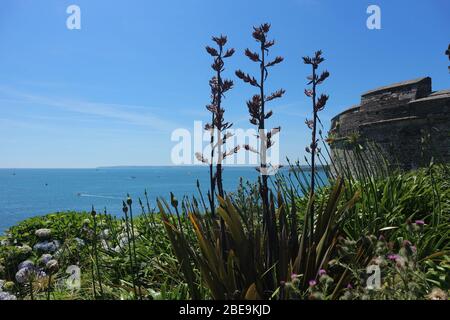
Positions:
{"x": 29, "y": 192}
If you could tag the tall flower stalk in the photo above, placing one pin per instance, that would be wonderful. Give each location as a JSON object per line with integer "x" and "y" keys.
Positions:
{"x": 318, "y": 104}
{"x": 219, "y": 87}
{"x": 51, "y": 267}
{"x": 259, "y": 115}
{"x": 133, "y": 241}
{"x": 218, "y": 126}
{"x": 95, "y": 253}
{"x": 130, "y": 252}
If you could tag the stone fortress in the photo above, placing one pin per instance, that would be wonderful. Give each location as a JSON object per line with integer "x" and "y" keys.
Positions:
{"x": 407, "y": 122}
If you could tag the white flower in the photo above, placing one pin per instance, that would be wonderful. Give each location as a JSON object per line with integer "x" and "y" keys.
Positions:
{"x": 80, "y": 242}
{"x": 104, "y": 234}
{"x": 47, "y": 246}
{"x": 7, "y": 296}
{"x": 26, "y": 264}
{"x": 45, "y": 258}
{"x": 123, "y": 242}
{"x": 24, "y": 275}
{"x": 25, "y": 249}
{"x": 104, "y": 244}
{"x": 43, "y": 234}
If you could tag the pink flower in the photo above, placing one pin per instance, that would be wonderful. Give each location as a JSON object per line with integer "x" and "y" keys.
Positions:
{"x": 312, "y": 283}
{"x": 419, "y": 222}
{"x": 349, "y": 286}
{"x": 393, "y": 257}
{"x": 294, "y": 276}
{"x": 322, "y": 272}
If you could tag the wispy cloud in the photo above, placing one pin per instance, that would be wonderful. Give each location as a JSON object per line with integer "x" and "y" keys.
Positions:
{"x": 130, "y": 114}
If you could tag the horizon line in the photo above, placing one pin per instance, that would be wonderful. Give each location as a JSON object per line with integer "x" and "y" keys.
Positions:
{"x": 136, "y": 166}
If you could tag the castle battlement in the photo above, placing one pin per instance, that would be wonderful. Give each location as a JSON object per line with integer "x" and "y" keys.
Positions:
{"x": 399, "y": 118}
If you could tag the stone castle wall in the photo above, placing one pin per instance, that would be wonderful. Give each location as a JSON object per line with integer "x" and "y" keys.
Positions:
{"x": 407, "y": 123}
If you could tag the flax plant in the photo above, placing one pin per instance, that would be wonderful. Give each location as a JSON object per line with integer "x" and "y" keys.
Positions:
{"x": 244, "y": 272}
{"x": 218, "y": 126}
{"x": 219, "y": 86}
{"x": 318, "y": 105}
{"x": 133, "y": 242}
{"x": 258, "y": 116}
{"x": 51, "y": 267}
{"x": 130, "y": 252}
{"x": 96, "y": 255}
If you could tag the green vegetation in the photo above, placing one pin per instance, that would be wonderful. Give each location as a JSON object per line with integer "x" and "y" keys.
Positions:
{"x": 370, "y": 233}
{"x": 399, "y": 222}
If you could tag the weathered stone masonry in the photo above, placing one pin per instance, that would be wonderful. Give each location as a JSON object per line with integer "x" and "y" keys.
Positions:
{"x": 407, "y": 121}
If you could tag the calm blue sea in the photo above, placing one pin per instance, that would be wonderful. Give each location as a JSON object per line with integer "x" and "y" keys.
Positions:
{"x": 30, "y": 192}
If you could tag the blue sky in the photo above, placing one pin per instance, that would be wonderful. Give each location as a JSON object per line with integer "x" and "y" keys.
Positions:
{"x": 112, "y": 92}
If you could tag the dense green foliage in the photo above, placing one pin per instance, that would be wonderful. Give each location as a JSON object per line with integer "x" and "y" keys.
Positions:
{"x": 399, "y": 222}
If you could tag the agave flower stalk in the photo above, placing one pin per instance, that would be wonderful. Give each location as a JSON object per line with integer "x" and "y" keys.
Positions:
{"x": 130, "y": 209}
{"x": 219, "y": 86}
{"x": 94, "y": 289}
{"x": 130, "y": 252}
{"x": 52, "y": 268}
{"x": 259, "y": 115}
{"x": 133, "y": 240}
{"x": 95, "y": 252}
{"x": 150, "y": 211}
{"x": 318, "y": 105}
{"x": 49, "y": 286}
{"x": 218, "y": 126}
{"x": 174, "y": 203}
{"x": 212, "y": 178}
